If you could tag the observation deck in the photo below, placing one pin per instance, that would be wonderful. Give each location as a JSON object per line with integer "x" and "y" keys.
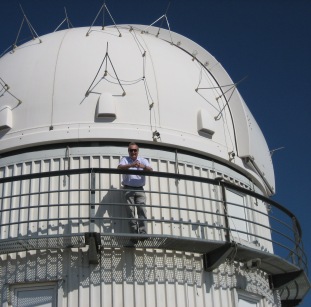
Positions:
{"x": 38, "y": 211}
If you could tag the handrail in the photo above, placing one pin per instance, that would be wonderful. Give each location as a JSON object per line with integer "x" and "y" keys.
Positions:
{"x": 152, "y": 174}
{"x": 296, "y": 250}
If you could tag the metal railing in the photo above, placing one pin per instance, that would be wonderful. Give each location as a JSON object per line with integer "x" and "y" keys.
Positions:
{"x": 41, "y": 206}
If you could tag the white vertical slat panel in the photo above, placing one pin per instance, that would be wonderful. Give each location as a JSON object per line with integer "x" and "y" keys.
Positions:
{"x": 173, "y": 199}
{"x": 139, "y": 279}
{"x": 53, "y": 209}
{"x": 105, "y": 209}
{"x": 164, "y": 200}
{"x": 198, "y": 217}
{"x": 148, "y": 188}
{"x": 161, "y": 297}
{"x": 154, "y": 200}
{"x": 262, "y": 219}
{"x": 6, "y": 202}
{"x": 106, "y": 268}
{"x": 84, "y": 194}
{"x": 44, "y": 197}
{"x": 252, "y": 216}
{"x": 80, "y": 202}
{"x": 34, "y": 198}
{"x": 24, "y": 201}
{"x": 176, "y": 214}
{"x": 84, "y": 278}
{"x": 182, "y": 203}
{"x": 74, "y": 197}
{"x": 239, "y": 229}
{"x": 111, "y": 200}
{"x": 10, "y": 191}
{"x": 95, "y": 163}
{"x": 212, "y": 194}
{"x": 15, "y": 203}
{"x": 117, "y": 202}
{"x": 85, "y": 181}
{"x": 190, "y": 202}
{"x": 12, "y": 231}
{"x": 172, "y": 277}
{"x": 218, "y": 207}
{"x": 207, "y": 206}
{"x": 121, "y": 279}
{"x": 95, "y": 288}
{"x": 73, "y": 278}
{"x": 3, "y": 205}
{"x": 150, "y": 277}
{"x": 117, "y": 197}
{"x": 64, "y": 196}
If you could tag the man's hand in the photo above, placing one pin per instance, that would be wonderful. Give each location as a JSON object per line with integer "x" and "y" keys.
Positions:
{"x": 137, "y": 164}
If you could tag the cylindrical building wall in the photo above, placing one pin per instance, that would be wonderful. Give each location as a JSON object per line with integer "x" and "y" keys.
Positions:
{"x": 125, "y": 277}
{"x": 58, "y": 206}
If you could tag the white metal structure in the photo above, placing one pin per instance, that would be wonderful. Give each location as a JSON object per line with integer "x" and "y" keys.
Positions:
{"x": 112, "y": 87}
{"x": 70, "y": 103}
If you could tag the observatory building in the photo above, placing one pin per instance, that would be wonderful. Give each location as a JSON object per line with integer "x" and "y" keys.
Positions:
{"x": 70, "y": 103}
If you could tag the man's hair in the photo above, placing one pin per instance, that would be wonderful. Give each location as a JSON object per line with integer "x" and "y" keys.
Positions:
{"x": 133, "y": 144}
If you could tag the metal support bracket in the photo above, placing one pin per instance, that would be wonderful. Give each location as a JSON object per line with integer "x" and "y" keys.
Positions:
{"x": 290, "y": 303}
{"x": 92, "y": 239}
{"x": 216, "y": 257}
{"x": 280, "y": 280}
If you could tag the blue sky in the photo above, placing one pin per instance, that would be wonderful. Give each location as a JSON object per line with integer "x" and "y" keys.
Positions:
{"x": 269, "y": 41}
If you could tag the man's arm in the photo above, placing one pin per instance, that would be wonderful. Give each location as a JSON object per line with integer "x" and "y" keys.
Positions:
{"x": 146, "y": 168}
{"x": 145, "y": 165}
{"x": 124, "y": 165}
{"x": 138, "y": 165}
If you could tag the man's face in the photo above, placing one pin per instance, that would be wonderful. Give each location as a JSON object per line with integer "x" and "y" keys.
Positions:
{"x": 133, "y": 151}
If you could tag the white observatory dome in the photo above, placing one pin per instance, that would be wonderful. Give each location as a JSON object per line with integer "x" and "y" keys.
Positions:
{"x": 118, "y": 84}
{"x": 71, "y": 101}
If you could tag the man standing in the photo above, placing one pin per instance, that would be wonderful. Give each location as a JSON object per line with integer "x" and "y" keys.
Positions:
{"x": 134, "y": 188}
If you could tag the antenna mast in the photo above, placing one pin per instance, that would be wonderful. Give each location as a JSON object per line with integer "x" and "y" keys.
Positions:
{"x": 31, "y": 29}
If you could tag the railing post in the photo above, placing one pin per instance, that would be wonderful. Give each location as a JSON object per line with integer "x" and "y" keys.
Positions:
{"x": 92, "y": 202}
{"x": 224, "y": 200}
{"x": 297, "y": 242}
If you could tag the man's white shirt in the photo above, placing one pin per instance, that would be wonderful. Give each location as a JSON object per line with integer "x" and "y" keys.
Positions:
{"x": 134, "y": 180}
